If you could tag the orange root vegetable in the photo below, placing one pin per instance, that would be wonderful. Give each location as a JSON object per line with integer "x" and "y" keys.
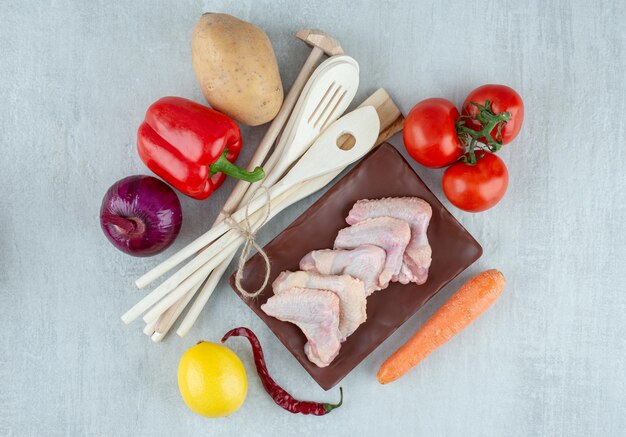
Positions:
{"x": 463, "y": 307}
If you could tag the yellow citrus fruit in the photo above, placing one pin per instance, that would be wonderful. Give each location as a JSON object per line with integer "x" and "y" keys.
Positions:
{"x": 212, "y": 380}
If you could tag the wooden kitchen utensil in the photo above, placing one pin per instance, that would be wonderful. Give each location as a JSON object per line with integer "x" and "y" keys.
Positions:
{"x": 336, "y": 81}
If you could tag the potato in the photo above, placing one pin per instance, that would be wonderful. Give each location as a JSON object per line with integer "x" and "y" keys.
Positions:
{"x": 236, "y": 66}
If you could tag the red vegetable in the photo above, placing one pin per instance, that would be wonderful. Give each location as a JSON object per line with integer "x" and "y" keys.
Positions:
{"x": 478, "y": 186}
{"x": 430, "y": 135}
{"x": 280, "y": 395}
{"x": 499, "y": 99}
{"x": 140, "y": 215}
{"x": 191, "y": 146}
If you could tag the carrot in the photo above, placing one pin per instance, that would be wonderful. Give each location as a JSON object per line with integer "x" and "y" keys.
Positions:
{"x": 463, "y": 307}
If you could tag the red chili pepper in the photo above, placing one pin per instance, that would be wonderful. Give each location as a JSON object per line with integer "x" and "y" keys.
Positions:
{"x": 280, "y": 395}
{"x": 191, "y": 146}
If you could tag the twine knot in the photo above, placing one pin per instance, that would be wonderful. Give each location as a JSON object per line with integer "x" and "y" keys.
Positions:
{"x": 248, "y": 230}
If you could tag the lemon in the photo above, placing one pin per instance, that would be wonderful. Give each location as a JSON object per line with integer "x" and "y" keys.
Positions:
{"x": 212, "y": 380}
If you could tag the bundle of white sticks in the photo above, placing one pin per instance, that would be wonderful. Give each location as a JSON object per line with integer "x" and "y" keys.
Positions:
{"x": 215, "y": 249}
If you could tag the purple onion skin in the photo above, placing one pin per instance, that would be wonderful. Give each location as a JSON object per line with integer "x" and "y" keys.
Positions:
{"x": 141, "y": 215}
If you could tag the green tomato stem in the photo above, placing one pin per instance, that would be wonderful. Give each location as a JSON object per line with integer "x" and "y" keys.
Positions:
{"x": 489, "y": 121}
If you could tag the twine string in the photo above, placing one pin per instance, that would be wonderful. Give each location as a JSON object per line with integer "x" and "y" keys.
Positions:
{"x": 247, "y": 230}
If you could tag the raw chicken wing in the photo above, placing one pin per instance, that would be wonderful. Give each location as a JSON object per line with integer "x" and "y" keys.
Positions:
{"x": 351, "y": 293}
{"x": 388, "y": 233}
{"x": 364, "y": 263}
{"x": 417, "y": 213}
{"x": 316, "y": 313}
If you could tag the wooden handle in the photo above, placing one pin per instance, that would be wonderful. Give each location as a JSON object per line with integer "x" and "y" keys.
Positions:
{"x": 165, "y": 321}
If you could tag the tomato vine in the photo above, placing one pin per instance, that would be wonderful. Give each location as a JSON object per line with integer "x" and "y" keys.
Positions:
{"x": 489, "y": 121}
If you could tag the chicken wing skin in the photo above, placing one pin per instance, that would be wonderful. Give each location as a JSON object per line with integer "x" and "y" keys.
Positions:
{"x": 417, "y": 213}
{"x": 351, "y": 293}
{"x": 316, "y": 313}
{"x": 365, "y": 263}
{"x": 388, "y": 233}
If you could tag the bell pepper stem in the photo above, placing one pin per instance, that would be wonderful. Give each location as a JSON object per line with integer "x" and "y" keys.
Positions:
{"x": 223, "y": 165}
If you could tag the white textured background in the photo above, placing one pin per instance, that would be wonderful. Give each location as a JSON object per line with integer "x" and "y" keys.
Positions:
{"x": 548, "y": 359}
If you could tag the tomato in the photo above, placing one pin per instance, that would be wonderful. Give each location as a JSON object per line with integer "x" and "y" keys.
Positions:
{"x": 430, "y": 133}
{"x": 503, "y": 99}
{"x": 476, "y": 187}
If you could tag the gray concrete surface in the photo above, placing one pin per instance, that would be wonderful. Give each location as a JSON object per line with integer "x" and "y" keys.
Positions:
{"x": 548, "y": 359}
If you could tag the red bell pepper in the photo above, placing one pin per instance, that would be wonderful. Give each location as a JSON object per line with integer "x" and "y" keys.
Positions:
{"x": 191, "y": 146}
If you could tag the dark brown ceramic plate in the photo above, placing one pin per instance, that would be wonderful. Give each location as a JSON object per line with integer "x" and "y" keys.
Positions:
{"x": 383, "y": 173}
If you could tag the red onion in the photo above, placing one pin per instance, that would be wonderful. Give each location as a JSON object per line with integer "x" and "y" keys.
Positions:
{"x": 141, "y": 215}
